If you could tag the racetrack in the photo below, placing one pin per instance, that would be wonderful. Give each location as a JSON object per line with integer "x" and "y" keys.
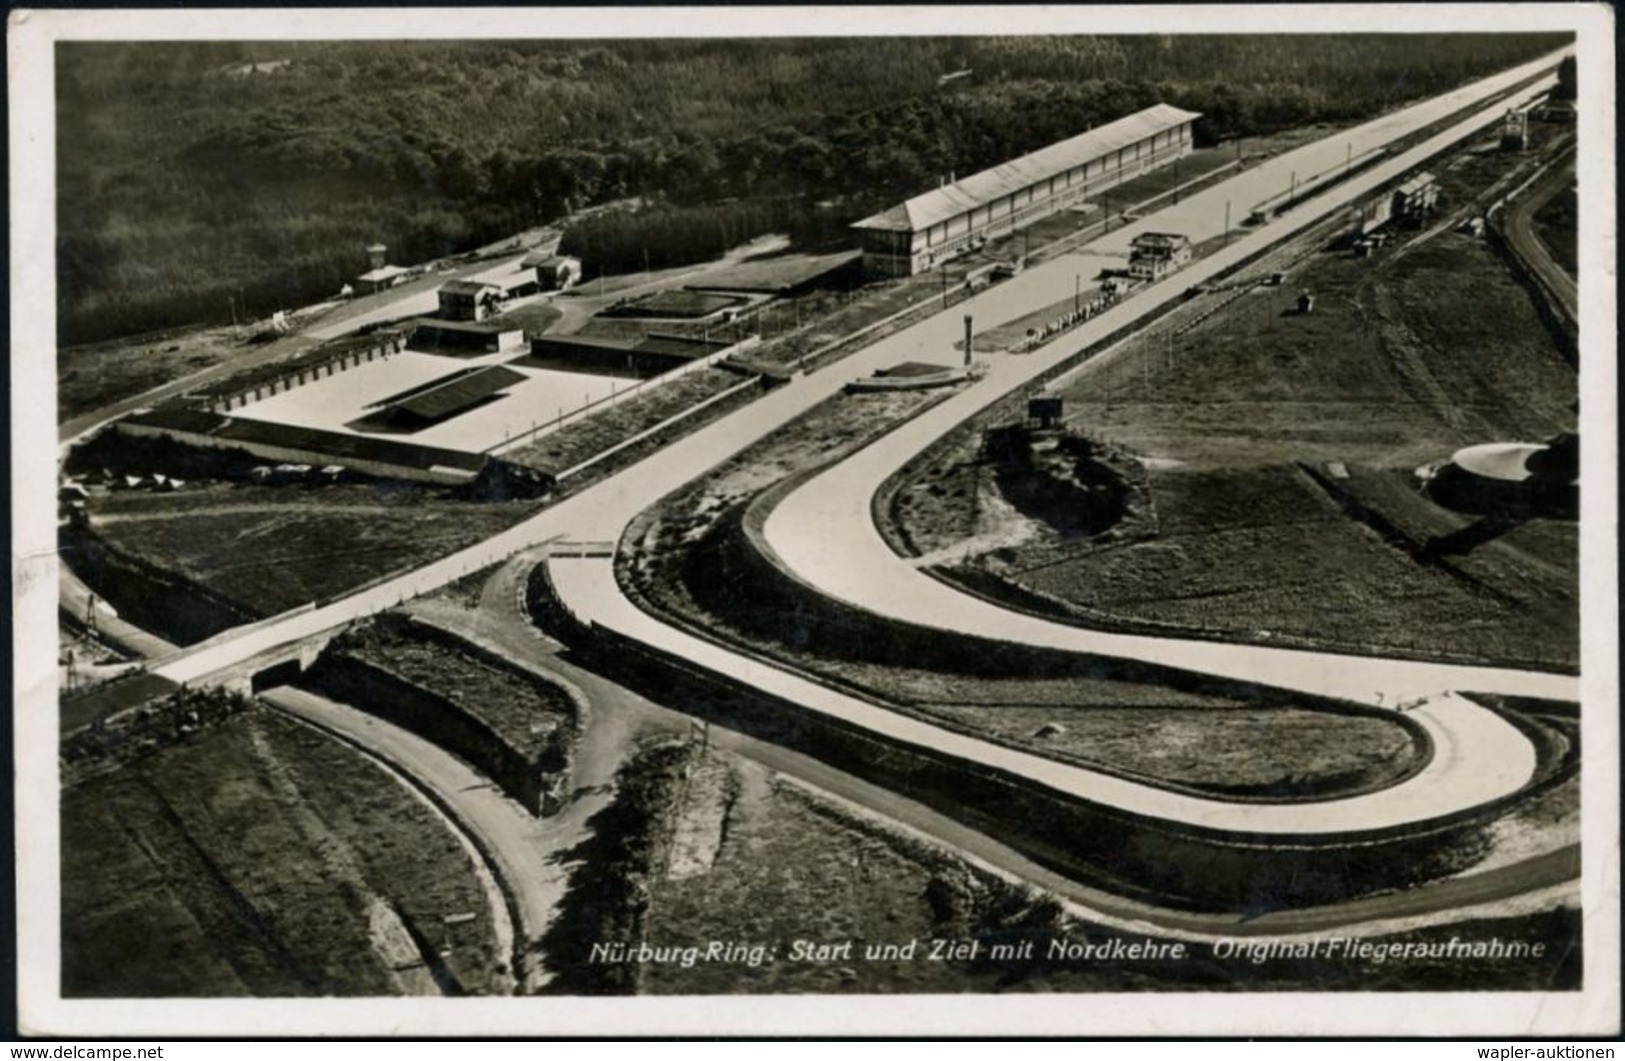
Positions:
{"x": 1480, "y": 757}
{"x": 1528, "y": 246}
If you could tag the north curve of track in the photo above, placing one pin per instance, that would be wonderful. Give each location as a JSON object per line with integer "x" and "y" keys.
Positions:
{"x": 1478, "y": 761}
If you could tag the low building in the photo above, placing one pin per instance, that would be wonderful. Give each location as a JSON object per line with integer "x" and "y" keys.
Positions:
{"x": 519, "y": 284}
{"x": 450, "y": 396}
{"x": 1515, "y": 130}
{"x": 1416, "y": 197}
{"x": 555, "y": 272}
{"x": 488, "y": 336}
{"x": 1155, "y": 254}
{"x": 381, "y": 279}
{"x": 469, "y": 300}
{"x": 1371, "y": 215}
{"x": 652, "y": 355}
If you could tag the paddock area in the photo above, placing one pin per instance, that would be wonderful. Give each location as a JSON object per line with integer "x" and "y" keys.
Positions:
{"x": 471, "y": 417}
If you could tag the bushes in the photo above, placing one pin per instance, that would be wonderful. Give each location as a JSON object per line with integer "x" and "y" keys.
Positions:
{"x": 608, "y": 894}
{"x": 662, "y": 236}
{"x": 138, "y": 733}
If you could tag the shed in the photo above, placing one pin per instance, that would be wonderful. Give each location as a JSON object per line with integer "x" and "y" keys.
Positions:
{"x": 468, "y": 300}
{"x": 1047, "y": 411}
{"x": 557, "y": 272}
{"x": 381, "y": 279}
{"x": 1416, "y": 196}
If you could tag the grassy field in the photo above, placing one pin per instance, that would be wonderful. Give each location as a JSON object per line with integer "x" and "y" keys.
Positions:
{"x": 1239, "y": 751}
{"x": 673, "y": 302}
{"x": 835, "y": 427}
{"x": 867, "y": 904}
{"x": 269, "y": 548}
{"x": 1276, "y": 499}
{"x": 1268, "y": 553}
{"x": 1405, "y": 359}
{"x": 1557, "y": 225}
{"x": 89, "y": 377}
{"x": 560, "y": 450}
{"x": 793, "y": 866}
{"x": 260, "y": 857}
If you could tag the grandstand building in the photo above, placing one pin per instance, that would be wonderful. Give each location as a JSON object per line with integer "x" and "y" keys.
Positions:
{"x": 928, "y": 229}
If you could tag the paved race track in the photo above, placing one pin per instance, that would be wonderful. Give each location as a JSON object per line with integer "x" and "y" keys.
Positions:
{"x": 1479, "y": 756}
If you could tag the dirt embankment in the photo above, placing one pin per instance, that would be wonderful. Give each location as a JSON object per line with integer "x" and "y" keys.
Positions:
{"x": 602, "y": 913}
{"x": 1013, "y": 487}
{"x": 514, "y": 727}
{"x": 145, "y": 594}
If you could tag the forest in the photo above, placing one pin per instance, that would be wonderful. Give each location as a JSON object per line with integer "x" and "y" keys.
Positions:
{"x": 200, "y": 180}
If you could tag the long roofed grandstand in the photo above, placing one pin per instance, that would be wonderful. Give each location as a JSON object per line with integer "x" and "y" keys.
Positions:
{"x": 943, "y": 222}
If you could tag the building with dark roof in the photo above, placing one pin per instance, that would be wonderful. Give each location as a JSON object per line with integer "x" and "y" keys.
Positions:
{"x": 651, "y": 355}
{"x": 928, "y": 229}
{"x": 450, "y": 396}
{"x": 554, "y": 272}
{"x": 468, "y": 300}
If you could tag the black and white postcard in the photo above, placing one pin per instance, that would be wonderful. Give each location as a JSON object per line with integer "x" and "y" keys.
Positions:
{"x": 899, "y": 521}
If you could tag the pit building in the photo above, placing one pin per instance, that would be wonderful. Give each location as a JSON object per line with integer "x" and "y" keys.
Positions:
{"x": 918, "y": 234}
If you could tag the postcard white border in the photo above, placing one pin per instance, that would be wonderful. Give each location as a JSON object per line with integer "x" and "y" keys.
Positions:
{"x": 1595, "y": 1010}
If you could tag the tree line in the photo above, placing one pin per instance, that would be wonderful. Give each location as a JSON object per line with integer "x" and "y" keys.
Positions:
{"x": 190, "y": 185}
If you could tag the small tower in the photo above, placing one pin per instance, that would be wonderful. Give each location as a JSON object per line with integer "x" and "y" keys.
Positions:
{"x": 377, "y": 256}
{"x": 1515, "y": 130}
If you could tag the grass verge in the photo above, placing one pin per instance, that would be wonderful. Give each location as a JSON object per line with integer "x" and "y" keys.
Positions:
{"x": 256, "y": 856}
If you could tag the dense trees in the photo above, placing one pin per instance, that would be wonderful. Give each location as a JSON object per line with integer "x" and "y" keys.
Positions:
{"x": 191, "y": 181}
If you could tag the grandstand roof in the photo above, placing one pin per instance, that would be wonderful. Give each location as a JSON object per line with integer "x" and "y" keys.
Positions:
{"x": 954, "y": 199}
{"x": 456, "y": 394}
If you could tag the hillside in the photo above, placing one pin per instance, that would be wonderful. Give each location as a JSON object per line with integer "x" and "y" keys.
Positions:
{"x": 195, "y": 180}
